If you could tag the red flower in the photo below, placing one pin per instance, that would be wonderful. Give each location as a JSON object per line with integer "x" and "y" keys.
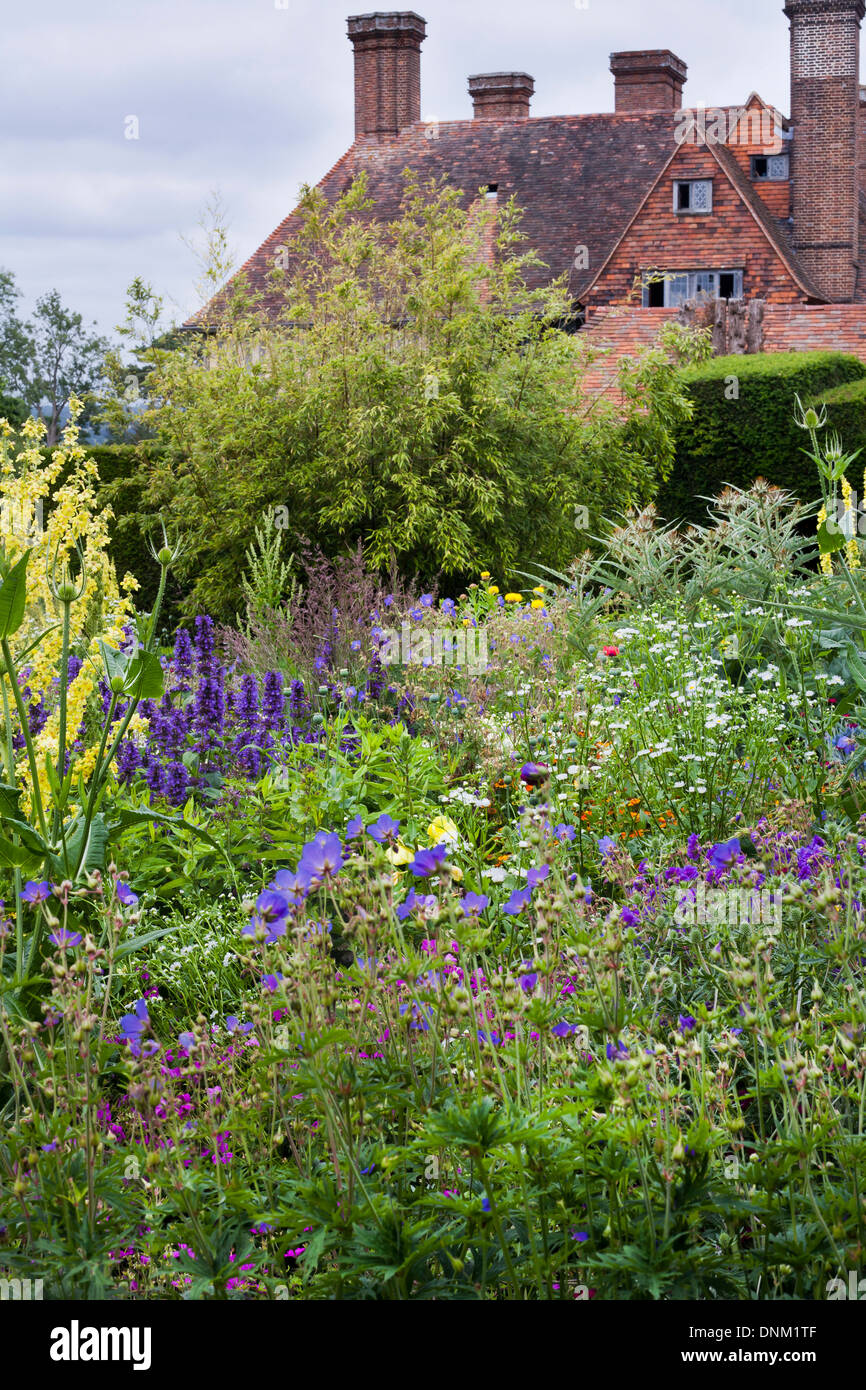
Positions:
{"x": 611, "y": 651}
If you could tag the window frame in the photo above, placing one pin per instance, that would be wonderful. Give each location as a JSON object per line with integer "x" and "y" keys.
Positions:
{"x": 768, "y": 177}
{"x": 690, "y": 211}
{"x": 667, "y": 278}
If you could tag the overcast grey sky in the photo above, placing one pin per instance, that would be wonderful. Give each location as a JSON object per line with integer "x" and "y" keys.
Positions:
{"x": 254, "y": 97}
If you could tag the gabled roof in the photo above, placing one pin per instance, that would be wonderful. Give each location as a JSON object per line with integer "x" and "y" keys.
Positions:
{"x": 768, "y": 224}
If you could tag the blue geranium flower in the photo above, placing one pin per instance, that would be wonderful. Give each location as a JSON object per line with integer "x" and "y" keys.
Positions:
{"x": 721, "y": 856}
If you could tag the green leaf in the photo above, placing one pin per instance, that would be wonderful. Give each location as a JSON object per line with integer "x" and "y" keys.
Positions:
{"x": 136, "y": 943}
{"x": 9, "y": 798}
{"x": 145, "y": 677}
{"x": 17, "y": 856}
{"x": 139, "y": 815}
{"x": 27, "y": 834}
{"x": 830, "y": 538}
{"x": 86, "y": 846}
{"x": 115, "y": 662}
{"x": 13, "y": 596}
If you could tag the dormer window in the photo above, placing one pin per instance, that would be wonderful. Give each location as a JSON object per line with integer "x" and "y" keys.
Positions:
{"x": 771, "y": 168}
{"x": 693, "y": 195}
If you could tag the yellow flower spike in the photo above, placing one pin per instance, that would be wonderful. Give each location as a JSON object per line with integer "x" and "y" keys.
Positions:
{"x": 826, "y": 561}
{"x": 27, "y": 482}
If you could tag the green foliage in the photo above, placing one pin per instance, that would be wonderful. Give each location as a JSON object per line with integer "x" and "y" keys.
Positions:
{"x": 268, "y": 582}
{"x": 846, "y": 411}
{"x": 743, "y": 426}
{"x": 409, "y": 394}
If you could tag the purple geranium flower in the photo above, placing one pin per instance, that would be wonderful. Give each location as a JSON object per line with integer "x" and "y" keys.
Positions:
{"x": 529, "y": 979}
{"x": 606, "y": 845}
{"x": 322, "y": 856}
{"x": 534, "y": 774}
{"x": 35, "y": 892}
{"x": 616, "y": 1052}
{"x": 723, "y": 855}
{"x": 271, "y": 906}
{"x": 686, "y": 1022}
{"x": 234, "y": 1026}
{"x": 383, "y": 829}
{"x": 473, "y": 904}
{"x": 133, "y": 1025}
{"x": 65, "y": 938}
{"x": 427, "y": 861}
{"x": 520, "y": 898}
{"x": 126, "y": 895}
{"x": 536, "y": 876}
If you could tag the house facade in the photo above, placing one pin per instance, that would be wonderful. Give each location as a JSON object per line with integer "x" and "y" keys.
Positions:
{"x": 654, "y": 203}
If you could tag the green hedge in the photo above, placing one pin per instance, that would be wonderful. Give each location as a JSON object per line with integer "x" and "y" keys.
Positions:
{"x": 846, "y": 414}
{"x": 737, "y": 438}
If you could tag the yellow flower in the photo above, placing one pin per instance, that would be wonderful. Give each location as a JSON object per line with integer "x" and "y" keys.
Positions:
{"x": 826, "y": 561}
{"x": 493, "y": 591}
{"x": 443, "y": 829}
{"x": 486, "y": 574}
{"x": 538, "y": 603}
{"x": 28, "y": 484}
{"x": 401, "y": 855}
{"x": 513, "y": 598}
{"x": 539, "y": 589}
{"x": 456, "y": 873}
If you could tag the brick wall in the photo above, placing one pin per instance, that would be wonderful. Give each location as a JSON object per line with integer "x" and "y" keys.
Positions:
{"x": 612, "y": 333}
{"x": 809, "y": 327}
{"x": 728, "y": 238}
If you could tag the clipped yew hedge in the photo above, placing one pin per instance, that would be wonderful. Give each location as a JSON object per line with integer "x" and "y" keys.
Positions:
{"x": 743, "y": 424}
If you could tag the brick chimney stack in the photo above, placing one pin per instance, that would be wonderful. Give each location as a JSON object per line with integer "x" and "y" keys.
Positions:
{"x": 501, "y": 96}
{"x": 825, "y": 115}
{"x": 387, "y": 72}
{"x": 649, "y": 79}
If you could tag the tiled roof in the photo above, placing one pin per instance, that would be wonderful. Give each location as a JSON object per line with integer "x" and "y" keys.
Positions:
{"x": 579, "y": 179}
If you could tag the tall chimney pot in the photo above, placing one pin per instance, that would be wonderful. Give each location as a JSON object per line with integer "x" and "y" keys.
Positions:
{"x": 387, "y": 71}
{"x": 825, "y": 116}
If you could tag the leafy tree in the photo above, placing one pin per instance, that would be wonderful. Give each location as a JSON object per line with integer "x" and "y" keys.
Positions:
{"x": 405, "y": 389}
{"x": 127, "y": 368}
{"x": 49, "y": 358}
